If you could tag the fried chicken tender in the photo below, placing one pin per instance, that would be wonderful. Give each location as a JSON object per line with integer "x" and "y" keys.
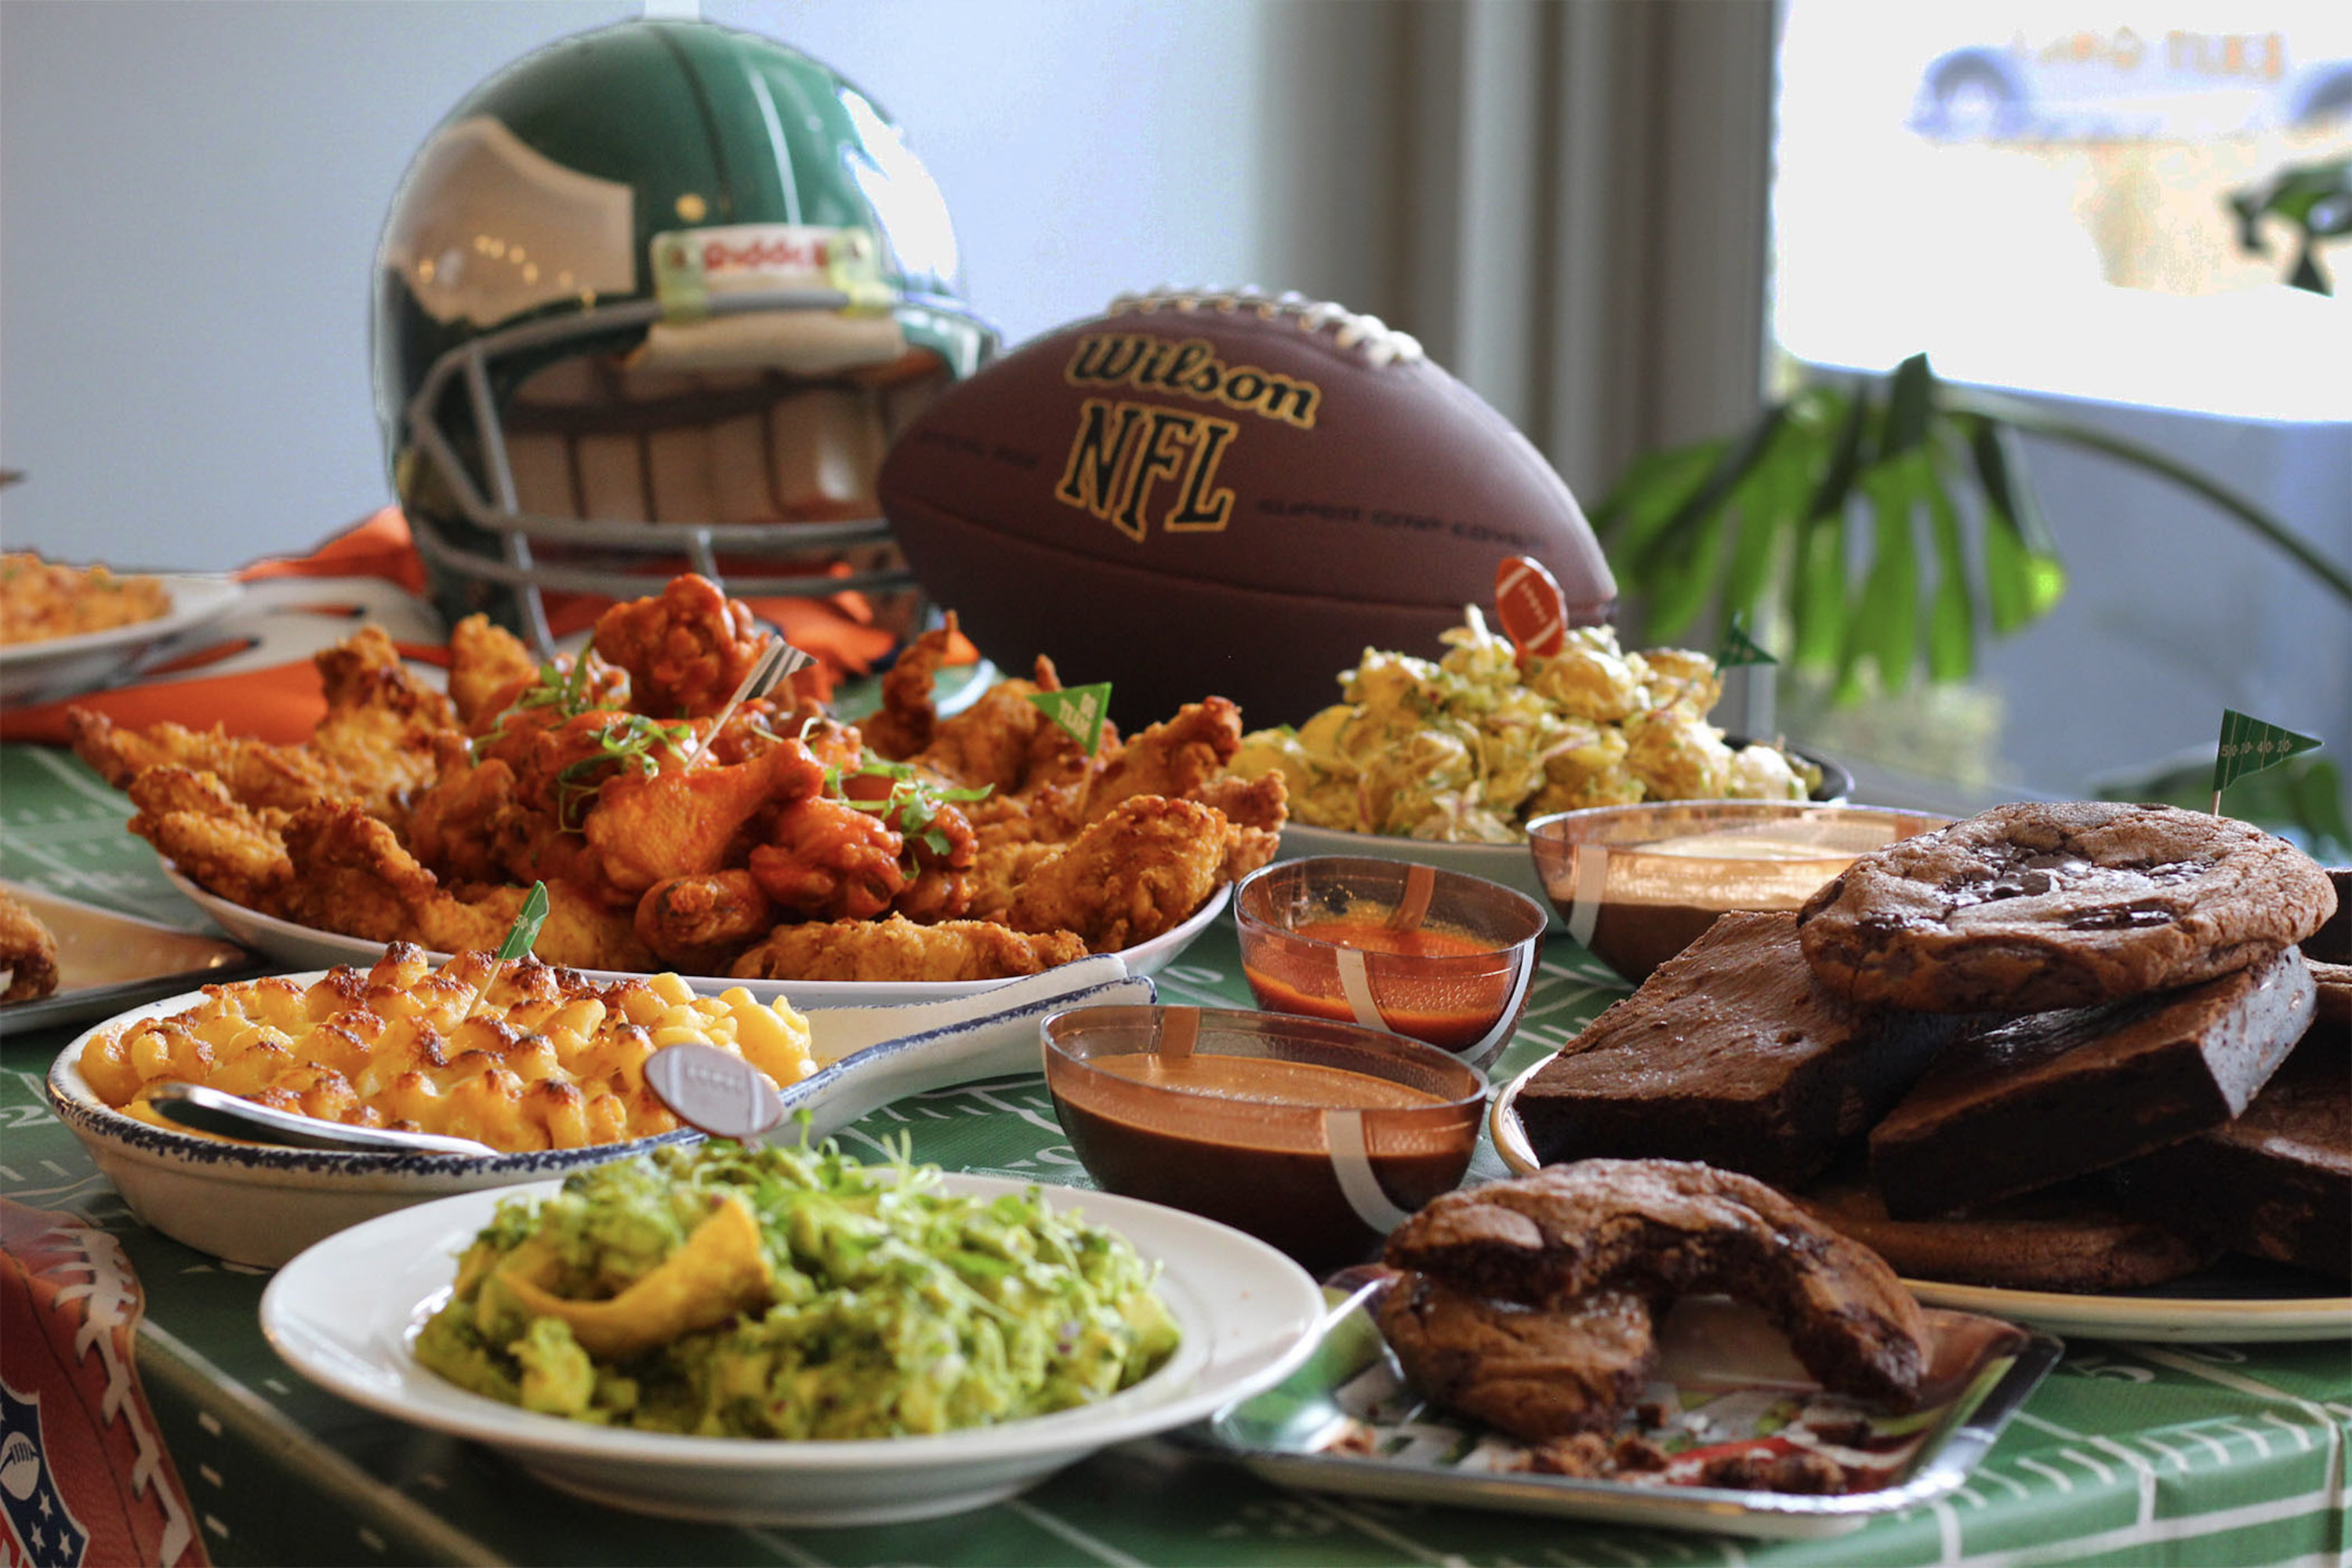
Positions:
{"x": 899, "y": 949}
{"x": 375, "y": 745}
{"x": 28, "y": 952}
{"x": 1003, "y": 742}
{"x": 357, "y": 879}
{"x": 1177, "y": 758}
{"x": 1136, "y": 873}
{"x": 380, "y": 719}
{"x": 686, "y": 651}
{"x": 904, "y": 724}
{"x": 487, "y": 664}
{"x": 226, "y": 847}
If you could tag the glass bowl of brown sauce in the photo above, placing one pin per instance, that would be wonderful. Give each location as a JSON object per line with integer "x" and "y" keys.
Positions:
{"x": 1637, "y": 884}
{"x": 1315, "y": 1136}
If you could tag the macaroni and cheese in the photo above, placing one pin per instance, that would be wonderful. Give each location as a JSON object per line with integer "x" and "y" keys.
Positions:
{"x": 513, "y": 1053}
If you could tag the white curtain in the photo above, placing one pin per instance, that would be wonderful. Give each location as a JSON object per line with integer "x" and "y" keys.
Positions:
{"x": 1564, "y": 199}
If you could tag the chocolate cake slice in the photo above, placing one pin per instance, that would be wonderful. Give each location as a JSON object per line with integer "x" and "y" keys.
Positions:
{"x": 2025, "y": 1103}
{"x": 1733, "y": 1054}
{"x": 2277, "y": 1182}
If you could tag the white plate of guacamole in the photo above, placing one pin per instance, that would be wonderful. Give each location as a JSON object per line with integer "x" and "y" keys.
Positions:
{"x": 346, "y": 1313}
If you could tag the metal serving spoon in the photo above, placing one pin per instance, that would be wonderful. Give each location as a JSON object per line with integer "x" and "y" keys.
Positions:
{"x": 868, "y": 1056}
{"x": 231, "y": 1116}
{"x": 719, "y": 1093}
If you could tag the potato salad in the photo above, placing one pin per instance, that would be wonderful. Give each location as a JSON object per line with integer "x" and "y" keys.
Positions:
{"x": 1470, "y": 748}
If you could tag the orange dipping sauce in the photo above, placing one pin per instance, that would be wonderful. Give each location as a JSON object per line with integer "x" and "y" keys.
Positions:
{"x": 1378, "y": 936}
{"x": 1452, "y": 1002}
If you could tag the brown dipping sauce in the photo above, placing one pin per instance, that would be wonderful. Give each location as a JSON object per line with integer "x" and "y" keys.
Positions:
{"x": 1451, "y": 1014}
{"x": 1272, "y": 1180}
{"x": 1643, "y": 922}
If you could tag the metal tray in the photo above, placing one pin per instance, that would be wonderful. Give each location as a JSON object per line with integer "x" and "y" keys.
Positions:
{"x": 1347, "y": 1422}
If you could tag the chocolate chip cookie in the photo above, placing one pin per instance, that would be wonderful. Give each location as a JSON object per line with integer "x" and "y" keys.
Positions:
{"x": 2063, "y": 904}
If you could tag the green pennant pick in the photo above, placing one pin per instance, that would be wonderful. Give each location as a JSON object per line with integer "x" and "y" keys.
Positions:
{"x": 527, "y": 921}
{"x": 2250, "y": 746}
{"x": 1078, "y": 710}
{"x": 1738, "y": 648}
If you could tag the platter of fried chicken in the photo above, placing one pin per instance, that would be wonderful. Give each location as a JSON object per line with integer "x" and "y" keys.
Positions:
{"x": 676, "y": 824}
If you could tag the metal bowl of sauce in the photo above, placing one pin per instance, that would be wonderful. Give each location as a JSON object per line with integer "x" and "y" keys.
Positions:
{"x": 1438, "y": 956}
{"x": 1315, "y": 1136}
{"x": 1637, "y": 884}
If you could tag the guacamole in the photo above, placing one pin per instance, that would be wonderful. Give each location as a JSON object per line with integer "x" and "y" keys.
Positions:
{"x": 774, "y": 1293}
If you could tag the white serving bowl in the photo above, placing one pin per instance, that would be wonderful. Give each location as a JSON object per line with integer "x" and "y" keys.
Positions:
{"x": 261, "y": 1204}
{"x": 256, "y": 1204}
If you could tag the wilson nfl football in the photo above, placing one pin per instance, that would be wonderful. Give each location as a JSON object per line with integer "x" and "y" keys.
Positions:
{"x": 1237, "y": 494}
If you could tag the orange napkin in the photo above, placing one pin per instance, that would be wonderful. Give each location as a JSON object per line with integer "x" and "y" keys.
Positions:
{"x": 261, "y": 680}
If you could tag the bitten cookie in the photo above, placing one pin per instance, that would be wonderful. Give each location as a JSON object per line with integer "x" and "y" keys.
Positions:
{"x": 2064, "y": 904}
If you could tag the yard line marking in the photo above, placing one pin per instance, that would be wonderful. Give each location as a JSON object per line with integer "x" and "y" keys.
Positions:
{"x": 2221, "y": 1450}
{"x": 2140, "y": 1469}
{"x": 786, "y": 1547}
{"x": 81, "y": 782}
{"x": 1054, "y": 1524}
{"x": 2302, "y": 1437}
{"x": 2065, "y": 1482}
{"x": 1386, "y": 1536}
{"x": 2182, "y": 1527}
{"x": 1947, "y": 1530}
{"x": 1023, "y": 1111}
{"x": 2106, "y": 1477}
{"x": 2012, "y": 1482}
{"x": 2262, "y": 1443}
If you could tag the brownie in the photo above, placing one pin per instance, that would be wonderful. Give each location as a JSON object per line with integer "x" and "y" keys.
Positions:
{"x": 1534, "y": 1372}
{"x": 2276, "y": 1182}
{"x": 2332, "y": 943}
{"x": 2334, "y": 981}
{"x": 1731, "y": 1053}
{"x": 2011, "y": 1106}
{"x": 2034, "y": 906}
{"x": 1667, "y": 1228}
{"x": 2074, "y": 1236}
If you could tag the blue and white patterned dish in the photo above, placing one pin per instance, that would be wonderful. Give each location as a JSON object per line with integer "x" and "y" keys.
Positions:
{"x": 260, "y": 1204}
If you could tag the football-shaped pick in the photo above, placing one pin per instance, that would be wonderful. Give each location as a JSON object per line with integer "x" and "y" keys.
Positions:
{"x": 1224, "y": 493}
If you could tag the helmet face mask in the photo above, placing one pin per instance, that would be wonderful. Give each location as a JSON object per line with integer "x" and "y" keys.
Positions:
{"x": 654, "y": 299}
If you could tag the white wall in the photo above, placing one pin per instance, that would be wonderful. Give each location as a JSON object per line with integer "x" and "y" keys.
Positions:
{"x": 191, "y": 190}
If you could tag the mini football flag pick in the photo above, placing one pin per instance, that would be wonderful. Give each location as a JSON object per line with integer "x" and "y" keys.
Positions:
{"x": 1529, "y": 603}
{"x": 1078, "y": 710}
{"x": 2249, "y": 746}
{"x": 1738, "y": 648}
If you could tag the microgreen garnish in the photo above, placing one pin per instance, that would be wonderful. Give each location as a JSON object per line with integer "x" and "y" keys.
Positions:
{"x": 628, "y": 740}
{"x": 913, "y": 805}
{"x": 565, "y": 690}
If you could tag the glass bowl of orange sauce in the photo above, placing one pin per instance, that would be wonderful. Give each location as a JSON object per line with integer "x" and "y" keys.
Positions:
{"x": 1637, "y": 884}
{"x": 1314, "y": 1136}
{"x": 1438, "y": 956}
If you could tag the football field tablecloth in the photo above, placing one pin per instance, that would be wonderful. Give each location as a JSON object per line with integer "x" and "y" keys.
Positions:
{"x": 2129, "y": 1454}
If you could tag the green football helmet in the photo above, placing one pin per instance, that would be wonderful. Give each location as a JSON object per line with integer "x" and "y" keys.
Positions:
{"x": 653, "y": 298}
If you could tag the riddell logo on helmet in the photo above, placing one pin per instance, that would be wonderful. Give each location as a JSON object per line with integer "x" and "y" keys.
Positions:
{"x": 785, "y": 252}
